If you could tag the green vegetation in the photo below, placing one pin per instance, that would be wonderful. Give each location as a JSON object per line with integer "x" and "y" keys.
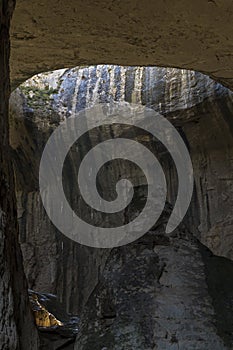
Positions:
{"x": 37, "y": 97}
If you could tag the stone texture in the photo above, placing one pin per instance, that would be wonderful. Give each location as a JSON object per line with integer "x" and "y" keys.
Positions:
{"x": 17, "y": 330}
{"x": 189, "y": 36}
{"x": 192, "y": 35}
{"x": 200, "y": 109}
{"x": 154, "y": 294}
{"x": 57, "y": 329}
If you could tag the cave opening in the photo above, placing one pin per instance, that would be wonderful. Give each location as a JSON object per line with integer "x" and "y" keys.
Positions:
{"x": 163, "y": 291}
{"x": 62, "y": 274}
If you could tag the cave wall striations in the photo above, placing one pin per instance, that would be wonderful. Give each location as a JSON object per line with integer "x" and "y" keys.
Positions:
{"x": 200, "y": 108}
{"x": 17, "y": 330}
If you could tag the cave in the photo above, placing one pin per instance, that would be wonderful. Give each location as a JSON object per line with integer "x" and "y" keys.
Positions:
{"x": 161, "y": 290}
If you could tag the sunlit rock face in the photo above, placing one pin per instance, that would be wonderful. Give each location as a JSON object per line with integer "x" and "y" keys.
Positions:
{"x": 42, "y": 316}
{"x": 200, "y": 109}
{"x": 56, "y": 328}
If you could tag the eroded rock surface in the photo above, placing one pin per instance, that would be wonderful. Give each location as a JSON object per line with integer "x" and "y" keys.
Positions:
{"x": 191, "y": 35}
{"x": 153, "y": 294}
{"x": 17, "y": 330}
{"x": 57, "y": 329}
{"x": 201, "y": 110}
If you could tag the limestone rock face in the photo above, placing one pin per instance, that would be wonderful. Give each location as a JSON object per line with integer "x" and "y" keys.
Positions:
{"x": 201, "y": 110}
{"x": 153, "y": 294}
{"x": 56, "y": 328}
{"x": 17, "y": 330}
{"x": 42, "y": 316}
{"x": 190, "y": 35}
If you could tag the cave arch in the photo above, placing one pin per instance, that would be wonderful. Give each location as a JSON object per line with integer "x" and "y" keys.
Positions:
{"x": 191, "y": 35}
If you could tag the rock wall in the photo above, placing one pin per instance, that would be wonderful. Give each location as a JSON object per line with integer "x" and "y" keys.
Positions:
{"x": 200, "y": 108}
{"x": 156, "y": 294}
{"x": 190, "y": 35}
{"x": 17, "y": 330}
